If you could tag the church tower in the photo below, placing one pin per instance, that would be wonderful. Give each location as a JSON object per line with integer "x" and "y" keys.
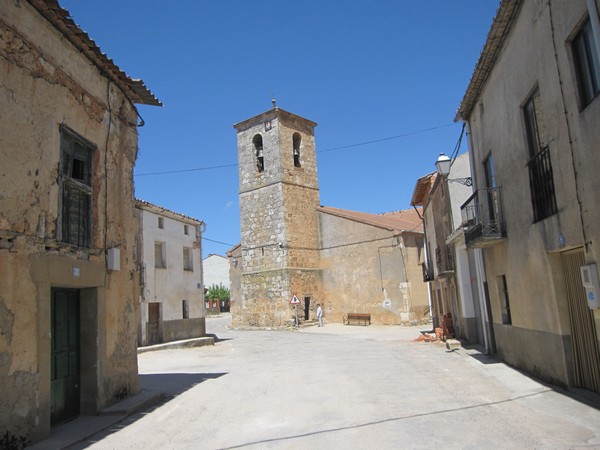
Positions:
{"x": 279, "y": 197}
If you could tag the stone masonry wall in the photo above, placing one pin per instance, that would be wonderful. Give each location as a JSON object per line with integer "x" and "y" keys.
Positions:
{"x": 279, "y": 254}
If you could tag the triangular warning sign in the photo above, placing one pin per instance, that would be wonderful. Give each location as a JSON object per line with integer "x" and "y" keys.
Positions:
{"x": 294, "y": 301}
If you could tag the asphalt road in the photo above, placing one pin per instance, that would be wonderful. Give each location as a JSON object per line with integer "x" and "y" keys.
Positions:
{"x": 347, "y": 387}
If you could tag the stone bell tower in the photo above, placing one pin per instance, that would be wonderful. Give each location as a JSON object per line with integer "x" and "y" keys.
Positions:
{"x": 279, "y": 197}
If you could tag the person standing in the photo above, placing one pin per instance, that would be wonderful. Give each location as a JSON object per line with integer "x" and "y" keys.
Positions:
{"x": 320, "y": 314}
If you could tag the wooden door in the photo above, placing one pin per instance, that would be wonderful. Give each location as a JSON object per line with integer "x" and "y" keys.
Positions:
{"x": 65, "y": 383}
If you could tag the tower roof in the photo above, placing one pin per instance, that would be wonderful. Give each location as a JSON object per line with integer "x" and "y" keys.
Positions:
{"x": 276, "y": 112}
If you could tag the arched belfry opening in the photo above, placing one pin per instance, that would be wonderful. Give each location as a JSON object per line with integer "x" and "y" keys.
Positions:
{"x": 258, "y": 150}
{"x": 296, "y": 141}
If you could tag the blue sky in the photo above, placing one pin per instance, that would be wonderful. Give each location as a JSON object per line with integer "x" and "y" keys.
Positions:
{"x": 386, "y": 74}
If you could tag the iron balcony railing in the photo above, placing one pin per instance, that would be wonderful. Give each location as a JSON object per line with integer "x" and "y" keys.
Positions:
{"x": 482, "y": 218}
{"x": 427, "y": 271}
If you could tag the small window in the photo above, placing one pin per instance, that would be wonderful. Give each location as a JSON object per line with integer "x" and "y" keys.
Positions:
{"x": 160, "y": 256}
{"x": 188, "y": 262}
{"x": 185, "y": 309}
{"x": 296, "y": 140}
{"x": 258, "y": 150}
{"x": 186, "y": 230}
{"x": 587, "y": 66}
{"x": 161, "y": 223}
{"x": 506, "y": 319}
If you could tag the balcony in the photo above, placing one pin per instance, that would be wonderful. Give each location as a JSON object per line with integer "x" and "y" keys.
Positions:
{"x": 427, "y": 271}
{"x": 482, "y": 218}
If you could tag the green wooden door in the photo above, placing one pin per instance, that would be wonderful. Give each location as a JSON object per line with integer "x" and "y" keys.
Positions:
{"x": 65, "y": 355}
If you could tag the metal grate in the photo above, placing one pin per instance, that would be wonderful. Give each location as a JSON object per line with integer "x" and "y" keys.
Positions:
{"x": 541, "y": 184}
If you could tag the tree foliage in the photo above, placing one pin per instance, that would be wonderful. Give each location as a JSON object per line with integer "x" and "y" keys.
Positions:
{"x": 218, "y": 292}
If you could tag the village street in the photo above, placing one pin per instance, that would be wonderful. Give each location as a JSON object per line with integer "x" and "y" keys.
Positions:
{"x": 344, "y": 387}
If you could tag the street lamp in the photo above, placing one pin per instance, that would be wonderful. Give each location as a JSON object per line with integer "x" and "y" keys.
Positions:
{"x": 443, "y": 164}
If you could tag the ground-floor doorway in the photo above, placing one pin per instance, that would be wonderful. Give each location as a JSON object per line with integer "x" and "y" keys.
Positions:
{"x": 154, "y": 323}
{"x": 584, "y": 343}
{"x": 65, "y": 355}
{"x": 306, "y": 308}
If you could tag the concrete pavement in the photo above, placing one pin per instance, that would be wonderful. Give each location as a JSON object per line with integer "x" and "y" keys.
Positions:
{"x": 344, "y": 387}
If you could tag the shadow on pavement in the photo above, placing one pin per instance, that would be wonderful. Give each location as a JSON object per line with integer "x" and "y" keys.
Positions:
{"x": 169, "y": 384}
{"x": 172, "y": 384}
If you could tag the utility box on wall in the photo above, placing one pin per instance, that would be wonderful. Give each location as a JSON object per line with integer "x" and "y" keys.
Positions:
{"x": 589, "y": 279}
{"x": 113, "y": 259}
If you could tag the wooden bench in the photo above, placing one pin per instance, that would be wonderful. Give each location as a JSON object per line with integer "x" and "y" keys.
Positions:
{"x": 358, "y": 318}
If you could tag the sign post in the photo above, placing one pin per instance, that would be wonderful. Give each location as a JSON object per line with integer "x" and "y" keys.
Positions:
{"x": 294, "y": 301}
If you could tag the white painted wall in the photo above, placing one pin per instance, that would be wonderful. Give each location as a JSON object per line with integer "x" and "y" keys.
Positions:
{"x": 172, "y": 284}
{"x": 216, "y": 271}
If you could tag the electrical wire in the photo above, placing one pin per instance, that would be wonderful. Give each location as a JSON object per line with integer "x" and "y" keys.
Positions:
{"x": 204, "y": 238}
{"x": 343, "y": 147}
{"x": 185, "y": 170}
{"x": 411, "y": 133}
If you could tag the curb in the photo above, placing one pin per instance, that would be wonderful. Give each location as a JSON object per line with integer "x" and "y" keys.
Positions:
{"x": 196, "y": 342}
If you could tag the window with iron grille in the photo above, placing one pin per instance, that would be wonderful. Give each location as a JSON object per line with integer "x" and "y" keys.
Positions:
{"x": 76, "y": 187}
{"x": 541, "y": 181}
{"x": 587, "y": 66}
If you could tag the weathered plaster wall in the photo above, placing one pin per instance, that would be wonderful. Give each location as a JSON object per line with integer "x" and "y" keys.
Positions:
{"x": 368, "y": 270}
{"x": 44, "y": 82}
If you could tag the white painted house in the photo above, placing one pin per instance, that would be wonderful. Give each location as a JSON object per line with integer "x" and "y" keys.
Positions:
{"x": 172, "y": 291}
{"x": 216, "y": 270}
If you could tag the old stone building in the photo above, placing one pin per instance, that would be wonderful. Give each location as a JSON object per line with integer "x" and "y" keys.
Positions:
{"x": 171, "y": 294}
{"x": 280, "y": 247}
{"x": 532, "y": 110}
{"x": 68, "y": 258}
{"x": 291, "y": 246}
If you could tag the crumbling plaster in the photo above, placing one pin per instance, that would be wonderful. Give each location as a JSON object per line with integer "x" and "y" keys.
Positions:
{"x": 46, "y": 82}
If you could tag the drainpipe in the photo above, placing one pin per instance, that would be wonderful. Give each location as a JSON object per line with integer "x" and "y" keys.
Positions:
{"x": 595, "y": 22}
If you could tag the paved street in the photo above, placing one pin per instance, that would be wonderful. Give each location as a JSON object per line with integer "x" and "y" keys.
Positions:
{"x": 345, "y": 387}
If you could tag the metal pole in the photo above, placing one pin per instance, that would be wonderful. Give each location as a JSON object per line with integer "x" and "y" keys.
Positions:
{"x": 296, "y": 312}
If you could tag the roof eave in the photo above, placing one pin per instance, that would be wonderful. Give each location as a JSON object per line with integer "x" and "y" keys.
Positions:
{"x": 60, "y": 19}
{"x": 501, "y": 26}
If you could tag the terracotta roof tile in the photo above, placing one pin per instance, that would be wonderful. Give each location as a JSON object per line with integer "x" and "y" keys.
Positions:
{"x": 60, "y": 19}
{"x": 407, "y": 221}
